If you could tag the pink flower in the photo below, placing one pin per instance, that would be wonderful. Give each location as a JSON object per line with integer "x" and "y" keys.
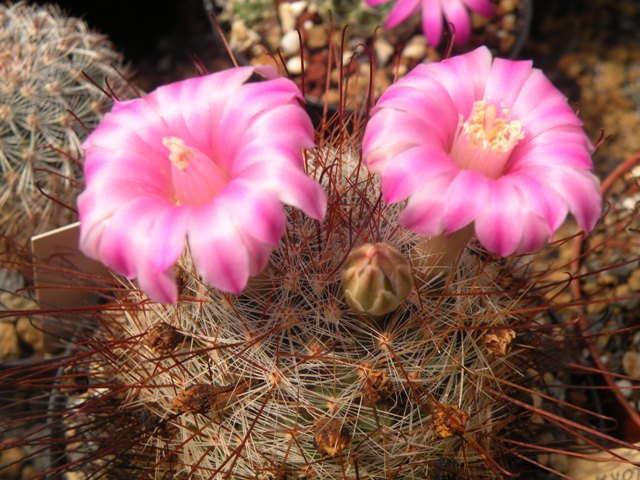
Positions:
{"x": 469, "y": 139}
{"x": 209, "y": 159}
{"x": 455, "y": 12}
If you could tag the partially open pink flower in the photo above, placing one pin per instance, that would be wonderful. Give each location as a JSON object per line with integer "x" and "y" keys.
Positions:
{"x": 455, "y": 12}
{"x": 209, "y": 159}
{"x": 493, "y": 142}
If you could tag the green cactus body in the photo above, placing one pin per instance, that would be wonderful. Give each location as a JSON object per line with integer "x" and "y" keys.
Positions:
{"x": 48, "y": 102}
{"x": 287, "y": 381}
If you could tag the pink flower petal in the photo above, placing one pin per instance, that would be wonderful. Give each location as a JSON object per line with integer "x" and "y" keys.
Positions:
{"x": 474, "y": 67}
{"x": 432, "y": 21}
{"x": 456, "y": 13}
{"x": 95, "y": 214}
{"x": 288, "y": 129}
{"x": 535, "y": 235}
{"x": 408, "y": 113}
{"x": 424, "y": 213}
{"x": 410, "y": 169}
{"x": 159, "y": 286}
{"x": 568, "y": 154}
{"x": 291, "y": 186}
{"x": 167, "y": 238}
{"x": 279, "y": 124}
{"x": 402, "y": 10}
{"x": 209, "y": 94}
{"x": 483, "y": 7}
{"x": 569, "y": 136}
{"x": 114, "y": 167}
{"x": 500, "y": 224}
{"x": 134, "y": 125}
{"x": 506, "y": 79}
{"x": 580, "y": 189}
{"x": 466, "y": 197}
{"x": 550, "y": 116}
{"x": 218, "y": 250}
{"x": 128, "y": 233}
{"x": 538, "y": 198}
{"x": 252, "y": 100}
{"x": 541, "y": 107}
{"x": 255, "y": 212}
{"x": 537, "y": 91}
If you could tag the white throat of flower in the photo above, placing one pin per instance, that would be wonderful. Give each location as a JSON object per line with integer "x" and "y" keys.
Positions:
{"x": 485, "y": 141}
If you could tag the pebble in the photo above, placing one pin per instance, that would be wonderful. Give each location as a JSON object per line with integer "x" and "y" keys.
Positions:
{"x": 609, "y": 76}
{"x": 557, "y": 461}
{"x": 625, "y": 387}
{"x": 607, "y": 279}
{"x": 299, "y": 7}
{"x": 508, "y": 5}
{"x": 290, "y": 42}
{"x": 332, "y": 97}
{"x": 634, "y": 281}
{"x": 12, "y": 457}
{"x": 478, "y": 21}
{"x": 316, "y": 36}
{"x": 294, "y": 65}
{"x": 288, "y": 18}
{"x": 242, "y": 38}
{"x": 416, "y": 48}
{"x": 9, "y": 345}
{"x": 509, "y": 22}
{"x": 384, "y": 51}
{"x": 507, "y": 42}
{"x": 30, "y": 334}
{"x": 631, "y": 364}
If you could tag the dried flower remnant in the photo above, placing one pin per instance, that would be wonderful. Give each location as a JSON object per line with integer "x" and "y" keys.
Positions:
{"x": 210, "y": 159}
{"x": 499, "y": 341}
{"x": 455, "y": 12}
{"x": 163, "y": 338}
{"x": 376, "y": 385}
{"x": 332, "y": 438}
{"x": 486, "y": 142}
{"x": 449, "y": 420}
{"x": 203, "y": 398}
{"x": 376, "y": 278}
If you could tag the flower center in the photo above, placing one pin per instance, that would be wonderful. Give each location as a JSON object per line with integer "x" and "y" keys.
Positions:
{"x": 179, "y": 152}
{"x": 195, "y": 176}
{"x": 484, "y": 142}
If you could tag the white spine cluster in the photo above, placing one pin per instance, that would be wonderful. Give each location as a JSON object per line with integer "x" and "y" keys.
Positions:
{"x": 287, "y": 381}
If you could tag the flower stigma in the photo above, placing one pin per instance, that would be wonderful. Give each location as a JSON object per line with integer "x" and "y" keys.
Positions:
{"x": 484, "y": 142}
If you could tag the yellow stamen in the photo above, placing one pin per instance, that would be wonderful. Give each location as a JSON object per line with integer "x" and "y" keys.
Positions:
{"x": 488, "y": 131}
{"x": 486, "y": 139}
{"x": 179, "y": 152}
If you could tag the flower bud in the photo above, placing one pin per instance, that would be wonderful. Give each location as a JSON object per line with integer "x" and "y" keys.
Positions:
{"x": 376, "y": 278}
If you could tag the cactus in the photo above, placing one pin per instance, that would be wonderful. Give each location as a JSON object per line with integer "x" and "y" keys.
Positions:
{"x": 52, "y": 68}
{"x": 288, "y": 381}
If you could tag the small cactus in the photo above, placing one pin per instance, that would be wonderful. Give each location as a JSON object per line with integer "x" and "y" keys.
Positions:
{"x": 52, "y": 68}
